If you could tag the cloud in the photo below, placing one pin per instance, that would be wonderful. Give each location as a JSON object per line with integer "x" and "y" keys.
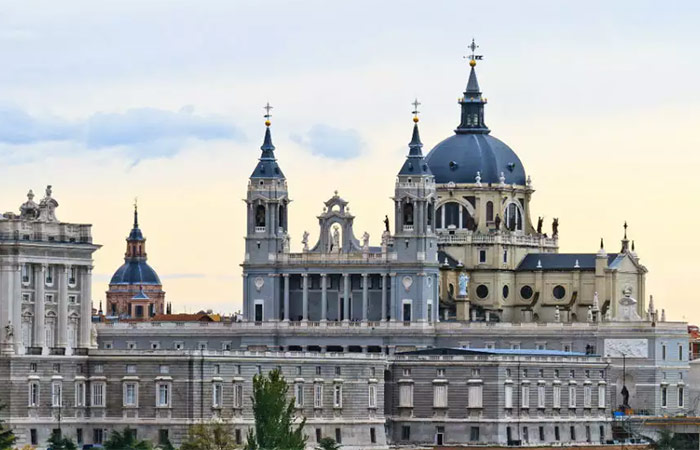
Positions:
{"x": 142, "y": 132}
{"x": 331, "y": 142}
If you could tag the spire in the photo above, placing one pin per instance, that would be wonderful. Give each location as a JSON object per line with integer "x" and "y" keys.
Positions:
{"x": 472, "y": 102}
{"x": 267, "y": 166}
{"x": 625, "y": 241}
{"x": 415, "y": 163}
{"x": 136, "y": 212}
{"x": 135, "y": 234}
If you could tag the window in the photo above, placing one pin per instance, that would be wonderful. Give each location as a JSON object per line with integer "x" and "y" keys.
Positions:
{"x": 130, "y": 368}
{"x": 239, "y": 437}
{"x": 406, "y": 372}
{"x": 513, "y": 217}
{"x": 337, "y": 371}
{"x": 526, "y": 292}
{"x": 540, "y": 396}
{"x": 482, "y": 256}
{"x": 98, "y": 394}
{"x": 525, "y": 396}
{"x": 476, "y": 372}
{"x": 299, "y": 395}
{"x": 557, "y": 436}
{"x": 163, "y": 395}
{"x": 98, "y": 368}
{"x": 508, "y": 373}
{"x": 572, "y": 396}
{"x": 97, "y": 435}
{"x": 33, "y": 437}
{"x": 373, "y": 435}
{"x": 318, "y": 395}
{"x": 372, "y": 391}
{"x": 572, "y": 430}
{"x": 588, "y": 433}
{"x": 482, "y": 291}
{"x": 556, "y": 396}
{"x": 338, "y": 396}
{"x": 178, "y": 345}
{"x": 541, "y": 373}
{"x": 587, "y": 394}
{"x": 664, "y": 396}
{"x": 587, "y": 373}
{"x": 217, "y": 394}
{"x": 556, "y": 373}
{"x": 475, "y": 396}
{"x": 49, "y": 275}
{"x": 298, "y": 370}
{"x": 508, "y": 392}
{"x": 406, "y": 395}
{"x": 26, "y": 297}
{"x": 57, "y": 368}
{"x": 572, "y": 373}
{"x": 372, "y": 372}
{"x": 681, "y": 394}
{"x": 32, "y": 367}
{"x": 505, "y": 261}
{"x": 163, "y": 437}
{"x": 440, "y": 395}
{"x": 130, "y": 394}
{"x": 524, "y": 373}
{"x": 79, "y": 393}
{"x": 474, "y": 434}
{"x": 79, "y": 436}
{"x": 526, "y": 434}
{"x": 164, "y": 370}
{"x": 73, "y": 299}
{"x": 318, "y": 370}
{"x": 601, "y": 396}
{"x": 541, "y": 434}
{"x": 680, "y": 352}
{"x": 338, "y": 435}
{"x": 663, "y": 352}
{"x": 34, "y": 393}
{"x": 559, "y": 292}
{"x": 602, "y": 374}
{"x": 49, "y": 298}
{"x": 405, "y": 433}
{"x": 489, "y": 211}
{"x": 318, "y": 435}
{"x": 237, "y": 395}
{"x": 441, "y": 373}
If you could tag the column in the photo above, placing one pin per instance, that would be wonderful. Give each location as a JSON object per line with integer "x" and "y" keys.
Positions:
{"x": 286, "y": 297}
{"x": 62, "y": 306}
{"x": 16, "y": 301}
{"x": 85, "y": 340}
{"x": 394, "y": 293}
{"x": 365, "y": 296}
{"x": 5, "y": 306}
{"x": 436, "y": 302}
{"x": 305, "y": 297}
{"x": 247, "y": 307}
{"x": 384, "y": 292}
{"x": 324, "y": 297}
{"x": 346, "y": 296}
{"x": 39, "y": 305}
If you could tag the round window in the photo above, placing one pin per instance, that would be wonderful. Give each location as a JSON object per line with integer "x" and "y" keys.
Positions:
{"x": 526, "y": 292}
{"x": 482, "y": 291}
{"x": 559, "y": 292}
{"x": 506, "y": 291}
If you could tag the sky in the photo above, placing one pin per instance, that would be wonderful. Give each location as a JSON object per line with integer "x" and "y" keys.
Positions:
{"x": 162, "y": 100}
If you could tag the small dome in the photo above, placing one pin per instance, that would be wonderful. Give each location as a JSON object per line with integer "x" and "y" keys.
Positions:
{"x": 458, "y": 158}
{"x": 135, "y": 272}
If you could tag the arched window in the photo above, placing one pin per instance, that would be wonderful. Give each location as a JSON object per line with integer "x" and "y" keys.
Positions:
{"x": 430, "y": 214}
{"x": 408, "y": 214}
{"x": 513, "y": 217}
{"x": 489, "y": 211}
{"x": 452, "y": 214}
{"x": 438, "y": 218}
{"x": 281, "y": 216}
{"x": 260, "y": 216}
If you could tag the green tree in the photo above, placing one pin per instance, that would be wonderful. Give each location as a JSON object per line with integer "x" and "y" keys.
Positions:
{"x": 274, "y": 416}
{"x": 211, "y": 436}
{"x": 59, "y": 442}
{"x": 7, "y": 437}
{"x": 126, "y": 440}
{"x": 327, "y": 443}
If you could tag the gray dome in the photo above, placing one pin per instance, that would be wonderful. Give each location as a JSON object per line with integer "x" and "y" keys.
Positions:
{"x": 135, "y": 272}
{"x": 458, "y": 158}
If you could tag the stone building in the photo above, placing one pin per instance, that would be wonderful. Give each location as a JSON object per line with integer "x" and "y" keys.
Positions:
{"x": 135, "y": 290}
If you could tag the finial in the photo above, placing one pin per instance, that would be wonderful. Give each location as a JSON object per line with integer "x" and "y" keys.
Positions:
{"x": 30, "y": 195}
{"x": 625, "y": 227}
{"x": 415, "y": 111}
{"x": 601, "y": 243}
{"x": 473, "y": 57}
{"x": 632, "y": 246}
{"x": 136, "y": 212}
{"x": 267, "y": 115}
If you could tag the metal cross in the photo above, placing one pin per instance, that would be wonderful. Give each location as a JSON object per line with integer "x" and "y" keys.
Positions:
{"x": 136, "y": 202}
{"x": 415, "y": 104}
{"x": 267, "y": 109}
{"x": 473, "y": 56}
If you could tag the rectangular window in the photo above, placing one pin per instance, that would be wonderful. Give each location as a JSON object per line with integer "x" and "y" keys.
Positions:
{"x": 474, "y": 434}
{"x": 475, "y": 396}
{"x": 572, "y": 430}
{"x": 440, "y": 396}
{"x": 338, "y": 435}
{"x": 337, "y": 371}
{"x": 372, "y": 435}
{"x": 34, "y": 393}
{"x": 525, "y": 396}
{"x": 318, "y": 395}
{"x": 664, "y": 396}
{"x": 587, "y": 394}
{"x": 407, "y": 372}
{"x": 72, "y": 299}
{"x": 217, "y": 369}
{"x": 32, "y": 367}
{"x": 541, "y": 434}
{"x": 663, "y": 352}
{"x": 239, "y": 437}
{"x": 372, "y": 395}
{"x": 601, "y": 396}
{"x": 163, "y": 437}
{"x": 526, "y": 434}
{"x": 217, "y": 395}
{"x": 318, "y": 370}
{"x": 318, "y": 435}
{"x": 56, "y": 394}
{"x": 482, "y": 256}
{"x": 681, "y": 394}
{"x": 680, "y": 352}
{"x": 508, "y": 391}
{"x": 405, "y": 433}
{"x": 406, "y": 395}
{"x": 572, "y": 396}
{"x": 97, "y": 435}
{"x": 163, "y": 395}
{"x": 237, "y": 395}
{"x": 98, "y": 368}
{"x": 79, "y": 393}
{"x": 557, "y": 436}
{"x": 556, "y": 396}
{"x": 505, "y": 256}
{"x": 130, "y": 368}
{"x": 49, "y": 298}
{"x": 130, "y": 394}
{"x": 476, "y": 372}
{"x": 79, "y": 436}
{"x": 299, "y": 395}
{"x": 98, "y": 394}
{"x": 34, "y": 440}
{"x": 540, "y": 396}
{"x": 338, "y": 396}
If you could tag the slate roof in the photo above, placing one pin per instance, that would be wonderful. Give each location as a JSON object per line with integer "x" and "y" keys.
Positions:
{"x": 267, "y": 165}
{"x": 135, "y": 272}
{"x": 415, "y": 163}
{"x": 495, "y": 351}
{"x": 561, "y": 261}
{"x": 442, "y": 257}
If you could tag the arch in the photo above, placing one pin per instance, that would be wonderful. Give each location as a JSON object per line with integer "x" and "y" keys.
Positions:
{"x": 513, "y": 217}
{"x": 260, "y": 215}
{"x": 408, "y": 213}
{"x": 455, "y": 215}
{"x": 281, "y": 216}
{"x": 489, "y": 211}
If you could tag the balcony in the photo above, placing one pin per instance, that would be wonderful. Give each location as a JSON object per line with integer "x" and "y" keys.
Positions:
{"x": 408, "y": 228}
{"x": 33, "y": 351}
{"x": 259, "y": 229}
{"x": 57, "y": 351}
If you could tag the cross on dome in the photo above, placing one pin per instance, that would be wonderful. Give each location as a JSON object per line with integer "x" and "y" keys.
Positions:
{"x": 473, "y": 57}
{"x": 267, "y": 115}
{"x": 415, "y": 111}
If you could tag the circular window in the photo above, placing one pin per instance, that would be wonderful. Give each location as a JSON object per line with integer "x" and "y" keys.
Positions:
{"x": 482, "y": 291}
{"x": 506, "y": 291}
{"x": 559, "y": 292}
{"x": 526, "y": 292}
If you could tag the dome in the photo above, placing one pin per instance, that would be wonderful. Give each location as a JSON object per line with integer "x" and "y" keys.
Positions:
{"x": 135, "y": 272}
{"x": 458, "y": 158}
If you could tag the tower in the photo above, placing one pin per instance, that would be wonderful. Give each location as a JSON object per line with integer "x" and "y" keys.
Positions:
{"x": 267, "y": 203}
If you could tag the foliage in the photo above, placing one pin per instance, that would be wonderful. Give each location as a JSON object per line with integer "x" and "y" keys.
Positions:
{"x": 666, "y": 440}
{"x": 327, "y": 443}
{"x": 7, "y": 437}
{"x": 59, "y": 442}
{"x": 274, "y": 416}
{"x": 126, "y": 440}
{"x": 211, "y": 436}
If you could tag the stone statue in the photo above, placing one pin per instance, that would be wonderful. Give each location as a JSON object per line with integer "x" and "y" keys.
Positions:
{"x": 47, "y": 207}
{"x": 463, "y": 284}
{"x": 305, "y": 241}
{"x": 557, "y": 314}
{"x": 555, "y": 227}
{"x": 502, "y": 179}
{"x": 9, "y": 332}
{"x": 365, "y": 242}
{"x": 29, "y": 209}
{"x": 285, "y": 243}
{"x": 589, "y": 314}
{"x": 93, "y": 336}
{"x": 539, "y": 225}
{"x": 596, "y": 302}
{"x": 608, "y": 314}
{"x": 386, "y": 223}
{"x": 335, "y": 246}
{"x": 497, "y": 222}
{"x": 625, "y": 396}
{"x": 663, "y": 315}
{"x": 478, "y": 178}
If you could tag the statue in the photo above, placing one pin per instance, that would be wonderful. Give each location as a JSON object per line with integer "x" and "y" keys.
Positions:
{"x": 555, "y": 227}
{"x": 625, "y": 396}
{"x": 365, "y": 242}
{"x": 478, "y": 178}
{"x": 539, "y": 225}
{"x": 335, "y": 246}
{"x": 557, "y": 314}
{"x": 589, "y": 314}
{"x": 29, "y": 209}
{"x": 47, "y": 207}
{"x": 596, "y": 302}
{"x": 93, "y": 336}
{"x": 386, "y": 223}
{"x": 608, "y": 314}
{"x": 498, "y": 222}
{"x": 9, "y": 332}
{"x": 305, "y": 241}
{"x": 502, "y": 179}
{"x": 463, "y": 284}
{"x": 285, "y": 243}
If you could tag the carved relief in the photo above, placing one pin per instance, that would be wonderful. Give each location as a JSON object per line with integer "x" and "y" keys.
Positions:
{"x": 630, "y": 348}
{"x": 259, "y": 282}
{"x": 407, "y": 282}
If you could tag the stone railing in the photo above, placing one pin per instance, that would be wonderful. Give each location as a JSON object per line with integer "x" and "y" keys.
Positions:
{"x": 332, "y": 258}
{"x": 245, "y": 353}
{"x": 501, "y": 238}
{"x": 24, "y": 230}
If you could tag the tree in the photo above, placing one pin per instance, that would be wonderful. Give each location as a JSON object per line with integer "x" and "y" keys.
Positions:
{"x": 327, "y": 443}
{"x": 211, "y": 436}
{"x": 126, "y": 441}
{"x": 275, "y": 427}
{"x": 7, "y": 437}
{"x": 59, "y": 442}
